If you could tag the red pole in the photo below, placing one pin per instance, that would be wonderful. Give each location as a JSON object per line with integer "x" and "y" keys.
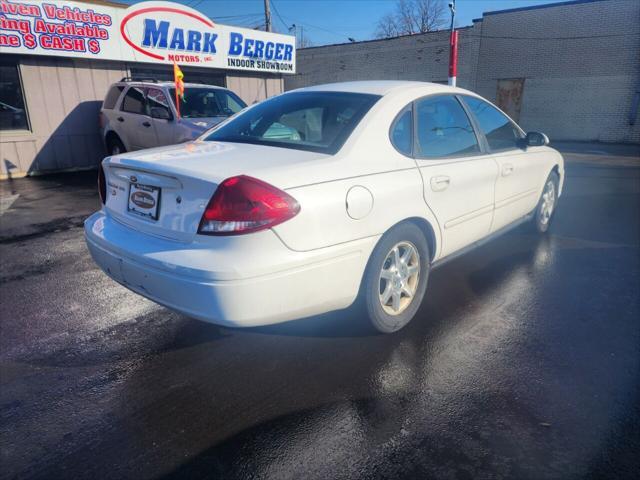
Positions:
{"x": 177, "y": 103}
{"x": 453, "y": 57}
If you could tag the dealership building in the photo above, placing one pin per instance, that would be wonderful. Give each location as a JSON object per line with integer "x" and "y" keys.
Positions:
{"x": 58, "y": 59}
{"x": 570, "y": 69}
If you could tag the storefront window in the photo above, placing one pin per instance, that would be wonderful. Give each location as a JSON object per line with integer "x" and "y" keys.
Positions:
{"x": 13, "y": 113}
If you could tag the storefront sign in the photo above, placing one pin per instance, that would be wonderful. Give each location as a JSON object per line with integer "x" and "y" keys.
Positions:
{"x": 150, "y": 32}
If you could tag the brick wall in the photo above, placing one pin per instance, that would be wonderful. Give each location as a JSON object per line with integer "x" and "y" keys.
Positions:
{"x": 418, "y": 57}
{"x": 580, "y": 62}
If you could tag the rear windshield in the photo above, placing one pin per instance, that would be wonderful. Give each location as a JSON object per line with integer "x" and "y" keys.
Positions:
{"x": 313, "y": 121}
{"x": 207, "y": 102}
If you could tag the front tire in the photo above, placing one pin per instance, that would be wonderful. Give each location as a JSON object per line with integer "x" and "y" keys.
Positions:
{"x": 396, "y": 277}
{"x": 547, "y": 203}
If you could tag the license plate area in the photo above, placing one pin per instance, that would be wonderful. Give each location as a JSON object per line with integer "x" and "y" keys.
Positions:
{"x": 144, "y": 200}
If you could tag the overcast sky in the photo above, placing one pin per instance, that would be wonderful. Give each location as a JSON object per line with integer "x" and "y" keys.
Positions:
{"x": 332, "y": 21}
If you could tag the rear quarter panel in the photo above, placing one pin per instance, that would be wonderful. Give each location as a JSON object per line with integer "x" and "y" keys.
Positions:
{"x": 325, "y": 219}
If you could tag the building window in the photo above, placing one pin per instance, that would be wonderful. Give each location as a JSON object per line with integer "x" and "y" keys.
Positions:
{"x": 13, "y": 113}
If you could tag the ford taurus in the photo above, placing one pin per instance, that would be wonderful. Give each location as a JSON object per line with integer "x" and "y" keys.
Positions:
{"x": 307, "y": 201}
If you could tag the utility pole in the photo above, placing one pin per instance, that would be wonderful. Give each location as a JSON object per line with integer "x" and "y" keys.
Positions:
{"x": 295, "y": 33}
{"x": 453, "y": 46}
{"x": 267, "y": 16}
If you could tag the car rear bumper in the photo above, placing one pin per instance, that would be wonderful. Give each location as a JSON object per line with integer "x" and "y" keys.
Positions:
{"x": 177, "y": 275}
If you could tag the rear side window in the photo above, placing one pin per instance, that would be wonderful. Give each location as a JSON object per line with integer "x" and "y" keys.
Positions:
{"x": 112, "y": 97}
{"x": 157, "y": 99}
{"x": 402, "y": 132}
{"x": 501, "y": 133}
{"x": 313, "y": 121}
{"x": 134, "y": 101}
{"x": 443, "y": 129}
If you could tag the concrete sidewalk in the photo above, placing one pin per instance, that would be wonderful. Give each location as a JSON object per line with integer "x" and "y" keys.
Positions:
{"x": 38, "y": 205}
{"x": 604, "y": 154}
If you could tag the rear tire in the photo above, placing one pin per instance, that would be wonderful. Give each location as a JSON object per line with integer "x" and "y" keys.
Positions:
{"x": 115, "y": 146}
{"x": 396, "y": 277}
{"x": 547, "y": 204}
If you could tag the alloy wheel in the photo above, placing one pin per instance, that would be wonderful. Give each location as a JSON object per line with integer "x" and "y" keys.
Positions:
{"x": 548, "y": 202}
{"x": 399, "y": 278}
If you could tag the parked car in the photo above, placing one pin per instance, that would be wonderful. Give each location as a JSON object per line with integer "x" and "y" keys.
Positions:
{"x": 142, "y": 114}
{"x": 302, "y": 203}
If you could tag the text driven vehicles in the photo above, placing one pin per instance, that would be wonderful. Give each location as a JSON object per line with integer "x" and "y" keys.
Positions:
{"x": 54, "y": 12}
{"x": 52, "y": 27}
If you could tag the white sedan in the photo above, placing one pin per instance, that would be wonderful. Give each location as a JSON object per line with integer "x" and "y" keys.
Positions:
{"x": 304, "y": 202}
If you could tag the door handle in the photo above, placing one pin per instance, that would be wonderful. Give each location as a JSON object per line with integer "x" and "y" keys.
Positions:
{"x": 440, "y": 183}
{"x": 120, "y": 119}
{"x": 146, "y": 124}
{"x": 507, "y": 169}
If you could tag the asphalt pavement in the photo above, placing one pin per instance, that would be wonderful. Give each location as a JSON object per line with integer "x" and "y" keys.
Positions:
{"x": 523, "y": 362}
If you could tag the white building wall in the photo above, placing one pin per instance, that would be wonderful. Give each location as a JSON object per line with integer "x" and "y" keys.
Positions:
{"x": 422, "y": 57}
{"x": 581, "y": 65}
{"x": 63, "y": 97}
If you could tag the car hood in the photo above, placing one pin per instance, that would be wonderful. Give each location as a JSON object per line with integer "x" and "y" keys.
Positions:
{"x": 203, "y": 124}
{"x": 216, "y": 161}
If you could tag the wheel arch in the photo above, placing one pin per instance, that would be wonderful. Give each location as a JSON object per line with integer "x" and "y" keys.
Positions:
{"x": 429, "y": 233}
{"x": 112, "y": 135}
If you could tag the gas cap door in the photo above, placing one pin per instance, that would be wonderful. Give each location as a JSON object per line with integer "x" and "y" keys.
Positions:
{"x": 359, "y": 202}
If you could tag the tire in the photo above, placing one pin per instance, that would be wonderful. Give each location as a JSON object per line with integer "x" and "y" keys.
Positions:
{"x": 115, "y": 146}
{"x": 545, "y": 210}
{"x": 390, "y": 314}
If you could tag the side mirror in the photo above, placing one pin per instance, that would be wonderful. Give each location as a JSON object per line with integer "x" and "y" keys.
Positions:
{"x": 536, "y": 139}
{"x": 161, "y": 113}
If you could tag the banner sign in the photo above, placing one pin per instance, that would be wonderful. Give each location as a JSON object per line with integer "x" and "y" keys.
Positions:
{"x": 150, "y": 32}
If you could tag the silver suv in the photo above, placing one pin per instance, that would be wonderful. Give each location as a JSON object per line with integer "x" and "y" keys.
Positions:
{"x": 140, "y": 114}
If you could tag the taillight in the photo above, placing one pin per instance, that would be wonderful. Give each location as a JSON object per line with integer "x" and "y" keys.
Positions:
{"x": 102, "y": 185}
{"x": 243, "y": 205}
{"x": 101, "y": 119}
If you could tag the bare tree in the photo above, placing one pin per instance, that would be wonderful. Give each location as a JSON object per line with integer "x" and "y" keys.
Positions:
{"x": 387, "y": 27}
{"x": 412, "y": 16}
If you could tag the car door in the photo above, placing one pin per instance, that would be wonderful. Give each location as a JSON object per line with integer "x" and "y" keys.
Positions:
{"x": 458, "y": 175}
{"x": 518, "y": 184}
{"x": 158, "y": 105}
{"x": 135, "y": 125}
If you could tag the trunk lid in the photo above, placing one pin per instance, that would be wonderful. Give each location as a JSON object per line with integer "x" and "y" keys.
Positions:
{"x": 164, "y": 191}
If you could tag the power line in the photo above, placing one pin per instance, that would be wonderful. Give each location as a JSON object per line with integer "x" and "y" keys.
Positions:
{"x": 238, "y": 16}
{"x": 275, "y": 9}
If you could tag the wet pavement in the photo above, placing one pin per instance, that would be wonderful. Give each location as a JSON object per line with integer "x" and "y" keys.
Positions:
{"x": 523, "y": 362}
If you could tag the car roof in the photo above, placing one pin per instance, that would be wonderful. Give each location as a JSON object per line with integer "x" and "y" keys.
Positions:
{"x": 380, "y": 87}
{"x": 168, "y": 84}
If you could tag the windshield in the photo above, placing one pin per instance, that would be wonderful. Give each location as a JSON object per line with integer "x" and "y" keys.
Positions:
{"x": 208, "y": 102}
{"x": 314, "y": 121}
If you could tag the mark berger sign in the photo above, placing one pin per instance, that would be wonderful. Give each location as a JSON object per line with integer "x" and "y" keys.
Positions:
{"x": 151, "y": 32}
